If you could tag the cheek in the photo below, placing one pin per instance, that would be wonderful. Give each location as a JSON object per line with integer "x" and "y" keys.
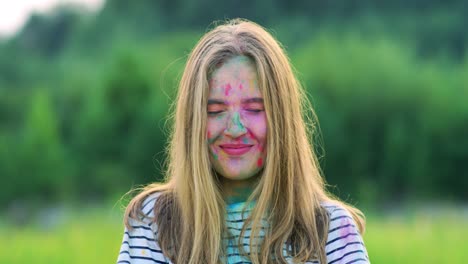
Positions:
{"x": 258, "y": 131}
{"x": 258, "y": 128}
{"x": 214, "y": 128}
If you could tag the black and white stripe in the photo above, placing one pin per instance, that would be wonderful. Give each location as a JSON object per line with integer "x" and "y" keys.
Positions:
{"x": 344, "y": 244}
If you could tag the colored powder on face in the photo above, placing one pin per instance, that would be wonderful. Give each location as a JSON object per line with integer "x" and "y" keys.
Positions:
{"x": 215, "y": 156}
{"x": 245, "y": 140}
{"x": 260, "y": 148}
{"x": 209, "y": 138}
{"x": 237, "y": 122}
{"x": 240, "y": 86}
{"x": 252, "y": 83}
{"x": 259, "y": 162}
{"x": 227, "y": 88}
{"x": 250, "y": 134}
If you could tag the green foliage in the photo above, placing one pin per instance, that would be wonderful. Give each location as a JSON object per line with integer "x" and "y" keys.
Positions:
{"x": 84, "y": 99}
{"x": 386, "y": 116}
{"x": 37, "y": 166}
{"x": 41, "y": 139}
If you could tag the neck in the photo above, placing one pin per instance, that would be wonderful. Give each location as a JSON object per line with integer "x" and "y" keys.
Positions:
{"x": 236, "y": 191}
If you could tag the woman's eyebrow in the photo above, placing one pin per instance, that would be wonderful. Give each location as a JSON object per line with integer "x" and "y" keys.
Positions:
{"x": 253, "y": 100}
{"x": 215, "y": 101}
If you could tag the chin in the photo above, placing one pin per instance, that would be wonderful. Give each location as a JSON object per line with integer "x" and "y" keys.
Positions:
{"x": 239, "y": 175}
{"x": 234, "y": 176}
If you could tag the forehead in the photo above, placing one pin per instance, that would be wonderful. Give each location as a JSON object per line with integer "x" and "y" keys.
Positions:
{"x": 237, "y": 75}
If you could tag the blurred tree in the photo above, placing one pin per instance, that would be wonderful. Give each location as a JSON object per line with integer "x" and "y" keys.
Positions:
{"x": 107, "y": 126}
{"x": 41, "y": 164}
{"x": 48, "y": 35}
{"x": 388, "y": 80}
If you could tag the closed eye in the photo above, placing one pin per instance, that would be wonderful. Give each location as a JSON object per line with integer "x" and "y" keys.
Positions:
{"x": 214, "y": 112}
{"x": 255, "y": 110}
{"x": 215, "y": 106}
{"x": 254, "y": 107}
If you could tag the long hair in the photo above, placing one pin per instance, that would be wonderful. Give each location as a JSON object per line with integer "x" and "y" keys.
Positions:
{"x": 190, "y": 209}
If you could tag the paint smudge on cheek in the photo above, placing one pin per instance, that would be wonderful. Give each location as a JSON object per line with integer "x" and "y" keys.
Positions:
{"x": 259, "y": 162}
{"x": 219, "y": 118}
{"x": 250, "y": 134}
{"x": 210, "y": 138}
{"x": 261, "y": 148}
{"x": 227, "y": 88}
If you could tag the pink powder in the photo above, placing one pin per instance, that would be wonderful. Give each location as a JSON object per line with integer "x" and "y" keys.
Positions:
{"x": 346, "y": 230}
{"x": 227, "y": 89}
{"x": 259, "y": 162}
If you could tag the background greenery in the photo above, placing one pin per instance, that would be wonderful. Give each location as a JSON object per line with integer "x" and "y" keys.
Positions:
{"x": 84, "y": 100}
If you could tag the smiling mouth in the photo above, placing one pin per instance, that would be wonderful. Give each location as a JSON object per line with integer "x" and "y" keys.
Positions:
{"x": 235, "y": 149}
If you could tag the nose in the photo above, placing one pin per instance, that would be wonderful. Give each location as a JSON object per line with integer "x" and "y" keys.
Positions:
{"x": 235, "y": 128}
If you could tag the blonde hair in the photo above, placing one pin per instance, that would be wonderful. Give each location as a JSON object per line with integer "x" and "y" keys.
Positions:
{"x": 190, "y": 209}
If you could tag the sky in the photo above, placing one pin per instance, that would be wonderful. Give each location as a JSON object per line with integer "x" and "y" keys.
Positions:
{"x": 14, "y": 13}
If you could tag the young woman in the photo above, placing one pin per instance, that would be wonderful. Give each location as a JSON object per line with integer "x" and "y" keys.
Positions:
{"x": 244, "y": 184}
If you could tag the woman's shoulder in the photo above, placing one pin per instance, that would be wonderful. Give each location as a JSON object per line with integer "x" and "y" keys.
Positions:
{"x": 140, "y": 240}
{"x": 148, "y": 204}
{"x": 344, "y": 240}
{"x": 142, "y": 209}
{"x": 335, "y": 208}
{"x": 342, "y": 220}
{"x": 339, "y": 216}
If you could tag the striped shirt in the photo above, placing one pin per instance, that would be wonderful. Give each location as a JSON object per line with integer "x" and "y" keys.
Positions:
{"x": 344, "y": 243}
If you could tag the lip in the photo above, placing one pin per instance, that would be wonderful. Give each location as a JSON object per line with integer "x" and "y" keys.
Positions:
{"x": 235, "y": 149}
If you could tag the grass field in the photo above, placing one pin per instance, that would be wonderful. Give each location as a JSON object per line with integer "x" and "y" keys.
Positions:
{"x": 95, "y": 236}
{"x": 418, "y": 238}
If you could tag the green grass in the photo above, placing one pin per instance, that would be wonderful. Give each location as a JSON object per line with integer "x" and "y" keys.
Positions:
{"x": 418, "y": 238}
{"x": 90, "y": 238}
{"x": 95, "y": 238}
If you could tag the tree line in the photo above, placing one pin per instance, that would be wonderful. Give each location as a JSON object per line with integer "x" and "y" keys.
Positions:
{"x": 85, "y": 98}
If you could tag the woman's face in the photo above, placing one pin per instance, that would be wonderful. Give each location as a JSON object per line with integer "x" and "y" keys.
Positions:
{"x": 237, "y": 125}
